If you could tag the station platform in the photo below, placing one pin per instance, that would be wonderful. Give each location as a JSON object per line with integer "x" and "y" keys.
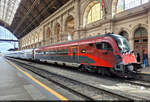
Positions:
{"x": 15, "y": 84}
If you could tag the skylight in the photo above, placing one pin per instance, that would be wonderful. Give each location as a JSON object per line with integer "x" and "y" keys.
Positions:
{"x": 8, "y": 10}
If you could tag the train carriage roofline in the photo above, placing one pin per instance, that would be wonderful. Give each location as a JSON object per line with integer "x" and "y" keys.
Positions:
{"x": 76, "y": 41}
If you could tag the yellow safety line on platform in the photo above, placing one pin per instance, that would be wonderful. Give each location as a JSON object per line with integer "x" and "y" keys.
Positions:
{"x": 40, "y": 83}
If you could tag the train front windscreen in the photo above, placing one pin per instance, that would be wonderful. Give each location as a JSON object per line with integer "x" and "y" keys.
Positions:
{"x": 122, "y": 43}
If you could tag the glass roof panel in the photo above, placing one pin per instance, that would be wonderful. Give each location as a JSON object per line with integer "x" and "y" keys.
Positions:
{"x": 6, "y": 7}
{"x": 144, "y": 1}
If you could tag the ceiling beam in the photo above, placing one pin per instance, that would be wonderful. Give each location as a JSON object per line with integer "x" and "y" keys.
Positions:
{"x": 35, "y": 8}
{"x": 12, "y": 10}
{"x": 39, "y": 13}
{"x": 34, "y": 24}
{"x": 4, "y": 8}
{"x": 30, "y": 15}
{"x": 59, "y": 2}
{"x": 22, "y": 20}
{"x": 7, "y": 8}
{"x": 42, "y": 11}
{"x": 43, "y": 1}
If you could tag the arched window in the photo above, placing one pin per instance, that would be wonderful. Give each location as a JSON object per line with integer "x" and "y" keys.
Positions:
{"x": 141, "y": 32}
{"x": 93, "y": 12}
{"x": 41, "y": 35}
{"x": 7, "y": 35}
{"x": 48, "y": 34}
{"x": 32, "y": 38}
{"x": 140, "y": 40}
{"x": 124, "y": 34}
{"x": 127, "y": 4}
{"x": 36, "y": 37}
{"x": 70, "y": 23}
{"x": 57, "y": 32}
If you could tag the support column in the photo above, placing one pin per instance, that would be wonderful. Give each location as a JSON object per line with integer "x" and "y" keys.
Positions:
{"x": 131, "y": 40}
{"x": 61, "y": 29}
{"x": 77, "y": 19}
{"x": 44, "y": 36}
{"x": 20, "y": 45}
{"x": 149, "y": 36}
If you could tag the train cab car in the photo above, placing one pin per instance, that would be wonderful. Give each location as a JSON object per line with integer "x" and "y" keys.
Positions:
{"x": 106, "y": 54}
{"x": 14, "y": 54}
{"x": 28, "y": 54}
{"x": 9, "y": 54}
{"x": 126, "y": 64}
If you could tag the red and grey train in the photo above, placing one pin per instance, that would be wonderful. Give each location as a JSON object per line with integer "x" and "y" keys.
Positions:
{"x": 107, "y": 54}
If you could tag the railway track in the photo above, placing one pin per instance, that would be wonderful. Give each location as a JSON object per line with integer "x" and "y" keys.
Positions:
{"x": 83, "y": 90}
{"x": 139, "y": 80}
{"x": 138, "y": 83}
{"x": 143, "y": 77}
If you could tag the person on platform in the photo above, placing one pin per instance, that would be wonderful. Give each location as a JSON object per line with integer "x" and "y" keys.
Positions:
{"x": 145, "y": 58}
{"x": 138, "y": 57}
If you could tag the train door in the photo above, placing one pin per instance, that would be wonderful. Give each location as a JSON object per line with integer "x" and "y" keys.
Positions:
{"x": 74, "y": 54}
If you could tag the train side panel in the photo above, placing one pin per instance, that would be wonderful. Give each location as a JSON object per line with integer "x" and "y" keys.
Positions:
{"x": 79, "y": 54}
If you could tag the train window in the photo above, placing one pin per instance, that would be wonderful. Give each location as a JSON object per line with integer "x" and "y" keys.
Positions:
{"x": 136, "y": 41}
{"x": 104, "y": 46}
{"x": 92, "y": 45}
{"x": 58, "y": 52}
{"x": 51, "y": 52}
{"x": 65, "y": 51}
{"x": 145, "y": 40}
{"x": 46, "y": 52}
{"x": 107, "y": 46}
{"x": 42, "y": 52}
{"x": 55, "y": 52}
{"x": 62, "y": 52}
{"x": 99, "y": 46}
{"x": 39, "y": 52}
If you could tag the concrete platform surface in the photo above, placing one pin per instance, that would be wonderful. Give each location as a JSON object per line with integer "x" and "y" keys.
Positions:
{"x": 14, "y": 86}
{"x": 146, "y": 70}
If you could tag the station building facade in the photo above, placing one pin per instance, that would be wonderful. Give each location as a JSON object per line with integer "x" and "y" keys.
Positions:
{"x": 83, "y": 18}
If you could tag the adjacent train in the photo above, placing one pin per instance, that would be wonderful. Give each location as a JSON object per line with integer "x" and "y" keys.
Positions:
{"x": 108, "y": 54}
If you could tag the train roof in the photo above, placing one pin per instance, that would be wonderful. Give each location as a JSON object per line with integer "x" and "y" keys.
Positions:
{"x": 76, "y": 41}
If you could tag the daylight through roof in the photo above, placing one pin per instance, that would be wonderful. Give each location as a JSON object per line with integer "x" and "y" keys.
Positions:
{"x": 8, "y": 9}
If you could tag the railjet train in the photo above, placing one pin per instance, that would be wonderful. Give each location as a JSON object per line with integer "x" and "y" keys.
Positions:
{"x": 108, "y": 54}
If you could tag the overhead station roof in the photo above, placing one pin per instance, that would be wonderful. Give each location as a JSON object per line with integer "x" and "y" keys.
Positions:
{"x": 22, "y": 16}
{"x": 8, "y": 9}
